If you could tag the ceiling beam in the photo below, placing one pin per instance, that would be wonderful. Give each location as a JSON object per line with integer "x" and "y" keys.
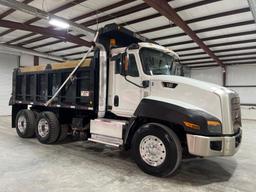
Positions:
{"x": 63, "y": 49}
{"x": 49, "y": 33}
{"x": 202, "y": 66}
{"x": 72, "y": 54}
{"x": 104, "y": 9}
{"x": 208, "y": 29}
{"x": 240, "y": 59}
{"x": 21, "y": 50}
{"x": 182, "y": 8}
{"x": 117, "y": 14}
{"x": 126, "y": 12}
{"x": 54, "y": 11}
{"x": 214, "y": 38}
{"x": 80, "y": 17}
{"x": 202, "y": 60}
{"x": 220, "y": 51}
{"x": 220, "y": 56}
{"x": 10, "y": 11}
{"x": 166, "y": 10}
{"x": 92, "y": 13}
{"x": 192, "y": 5}
{"x": 224, "y": 61}
{"x": 50, "y": 43}
{"x": 199, "y": 62}
{"x": 252, "y": 4}
{"x": 189, "y": 6}
{"x": 226, "y": 64}
{"x": 213, "y": 16}
{"x": 45, "y": 15}
{"x": 104, "y": 18}
{"x": 219, "y": 44}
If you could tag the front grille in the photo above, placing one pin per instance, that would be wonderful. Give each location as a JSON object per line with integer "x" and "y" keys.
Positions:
{"x": 236, "y": 113}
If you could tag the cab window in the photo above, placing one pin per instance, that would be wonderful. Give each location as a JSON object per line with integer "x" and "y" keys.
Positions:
{"x": 132, "y": 68}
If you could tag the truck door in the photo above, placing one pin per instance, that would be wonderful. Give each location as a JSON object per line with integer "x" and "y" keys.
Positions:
{"x": 126, "y": 94}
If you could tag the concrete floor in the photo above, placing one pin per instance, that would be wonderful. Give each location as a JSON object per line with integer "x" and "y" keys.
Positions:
{"x": 27, "y": 166}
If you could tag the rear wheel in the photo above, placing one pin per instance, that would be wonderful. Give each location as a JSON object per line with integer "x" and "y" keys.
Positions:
{"x": 63, "y": 132}
{"x": 156, "y": 150}
{"x": 25, "y": 123}
{"x": 48, "y": 128}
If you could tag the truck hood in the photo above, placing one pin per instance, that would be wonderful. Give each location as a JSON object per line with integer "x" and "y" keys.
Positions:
{"x": 189, "y": 81}
{"x": 189, "y": 93}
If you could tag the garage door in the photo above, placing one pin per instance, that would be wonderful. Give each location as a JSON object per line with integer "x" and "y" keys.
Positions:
{"x": 7, "y": 64}
{"x": 242, "y": 79}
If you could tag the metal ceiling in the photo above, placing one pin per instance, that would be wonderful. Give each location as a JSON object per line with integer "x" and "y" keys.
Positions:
{"x": 225, "y": 28}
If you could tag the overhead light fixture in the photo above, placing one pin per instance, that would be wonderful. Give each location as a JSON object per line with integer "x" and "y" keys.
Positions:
{"x": 59, "y": 23}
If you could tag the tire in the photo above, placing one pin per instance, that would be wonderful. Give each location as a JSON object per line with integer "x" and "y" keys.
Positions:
{"x": 36, "y": 114}
{"x": 48, "y": 128}
{"x": 156, "y": 150}
{"x": 25, "y": 123}
{"x": 63, "y": 132}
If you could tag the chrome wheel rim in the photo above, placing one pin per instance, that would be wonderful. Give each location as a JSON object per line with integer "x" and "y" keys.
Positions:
{"x": 22, "y": 123}
{"x": 152, "y": 150}
{"x": 43, "y": 128}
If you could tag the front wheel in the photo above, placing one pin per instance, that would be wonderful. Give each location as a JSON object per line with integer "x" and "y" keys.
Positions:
{"x": 156, "y": 150}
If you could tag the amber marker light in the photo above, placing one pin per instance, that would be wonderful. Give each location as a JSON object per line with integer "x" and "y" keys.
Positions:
{"x": 191, "y": 125}
{"x": 213, "y": 123}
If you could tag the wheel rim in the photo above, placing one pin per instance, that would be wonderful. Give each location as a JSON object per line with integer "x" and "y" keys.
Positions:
{"x": 43, "y": 128}
{"x": 152, "y": 150}
{"x": 22, "y": 124}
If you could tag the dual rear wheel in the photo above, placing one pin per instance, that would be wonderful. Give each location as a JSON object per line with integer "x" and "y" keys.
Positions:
{"x": 44, "y": 125}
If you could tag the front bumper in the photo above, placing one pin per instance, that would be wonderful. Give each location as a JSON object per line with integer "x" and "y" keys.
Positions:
{"x": 213, "y": 146}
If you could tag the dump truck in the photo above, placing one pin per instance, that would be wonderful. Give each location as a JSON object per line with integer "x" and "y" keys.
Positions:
{"x": 130, "y": 94}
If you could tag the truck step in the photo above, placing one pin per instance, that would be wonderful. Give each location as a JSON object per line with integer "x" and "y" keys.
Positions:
{"x": 107, "y": 131}
{"x": 112, "y": 141}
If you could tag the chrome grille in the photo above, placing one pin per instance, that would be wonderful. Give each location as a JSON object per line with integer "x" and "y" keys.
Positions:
{"x": 236, "y": 113}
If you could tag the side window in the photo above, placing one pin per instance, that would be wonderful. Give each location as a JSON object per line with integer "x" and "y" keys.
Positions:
{"x": 132, "y": 70}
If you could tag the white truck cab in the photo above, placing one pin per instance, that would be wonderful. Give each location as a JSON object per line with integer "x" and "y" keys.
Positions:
{"x": 159, "y": 67}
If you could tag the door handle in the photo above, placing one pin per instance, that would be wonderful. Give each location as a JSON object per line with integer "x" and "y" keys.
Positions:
{"x": 116, "y": 101}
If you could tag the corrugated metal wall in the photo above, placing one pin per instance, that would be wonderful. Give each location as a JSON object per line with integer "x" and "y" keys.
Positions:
{"x": 239, "y": 77}
{"x": 213, "y": 75}
{"x": 7, "y": 64}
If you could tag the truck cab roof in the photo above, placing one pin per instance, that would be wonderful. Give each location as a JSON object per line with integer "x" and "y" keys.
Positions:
{"x": 159, "y": 47}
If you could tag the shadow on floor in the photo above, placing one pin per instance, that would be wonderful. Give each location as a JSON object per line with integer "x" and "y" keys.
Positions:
{"x": 199, "y": 172}
{"x": 196, "y": 172}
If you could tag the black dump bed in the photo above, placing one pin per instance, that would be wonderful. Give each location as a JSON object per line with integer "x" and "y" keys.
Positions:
{"x": 36, "y": 85}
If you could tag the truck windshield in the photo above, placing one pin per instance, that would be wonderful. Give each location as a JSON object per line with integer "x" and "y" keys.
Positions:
{"x": 156, "y": 62}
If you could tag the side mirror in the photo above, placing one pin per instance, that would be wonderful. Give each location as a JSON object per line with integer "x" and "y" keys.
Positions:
{"x": 125, "y": 64}
{"x": 145, "y": 83}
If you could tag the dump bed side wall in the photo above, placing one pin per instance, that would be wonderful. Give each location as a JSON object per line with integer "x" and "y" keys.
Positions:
{"x": 38, "y": 86}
